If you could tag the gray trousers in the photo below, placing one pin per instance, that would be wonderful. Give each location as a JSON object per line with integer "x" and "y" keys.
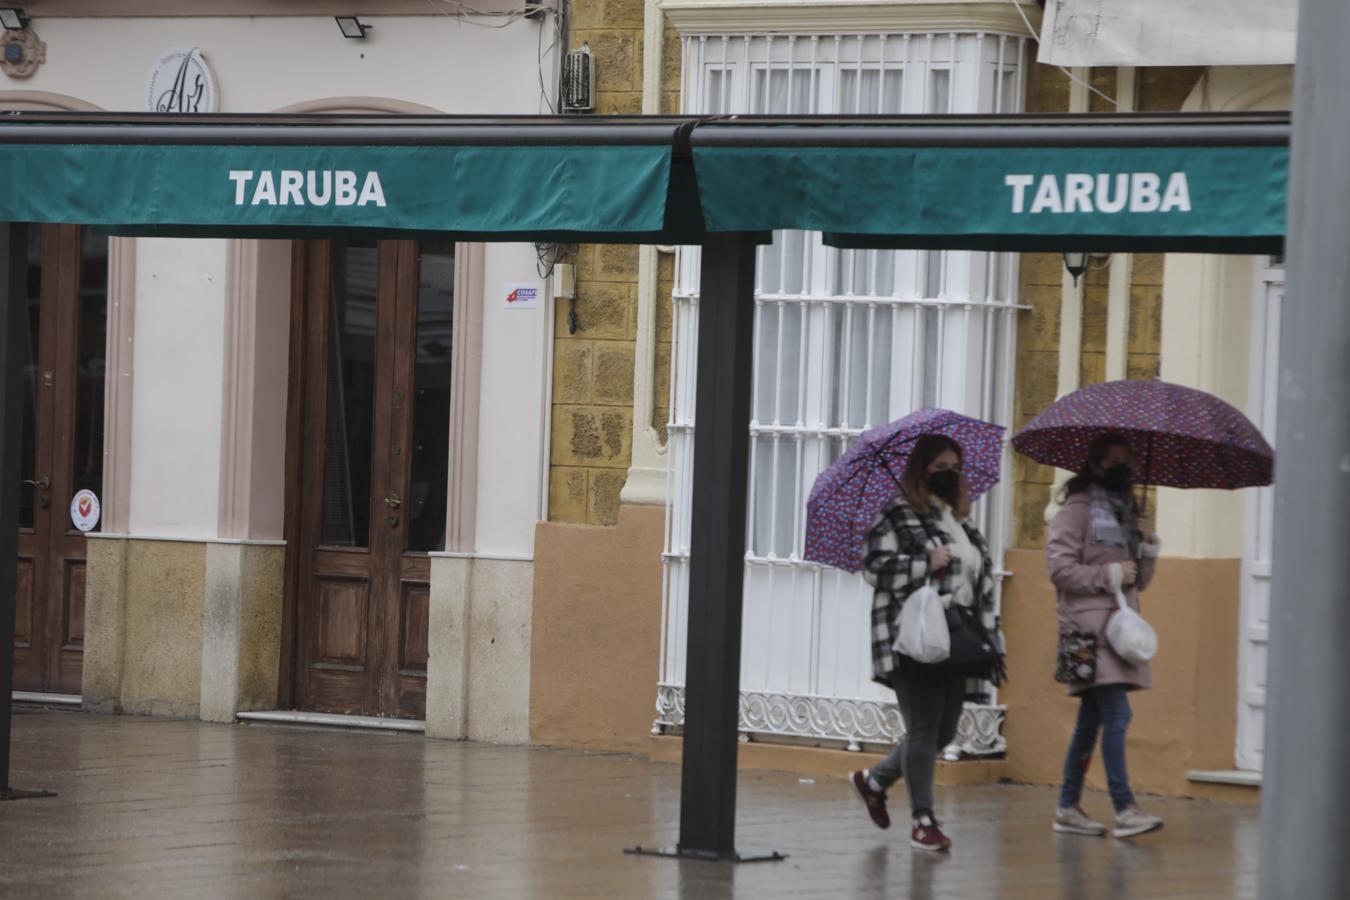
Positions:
{"x": 930, "y": 704}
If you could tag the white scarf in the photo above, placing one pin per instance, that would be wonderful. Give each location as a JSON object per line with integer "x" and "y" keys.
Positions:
{"x": 967, "y": 553}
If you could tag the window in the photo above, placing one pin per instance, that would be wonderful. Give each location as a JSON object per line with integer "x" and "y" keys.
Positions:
{"x": 844, "y": 340}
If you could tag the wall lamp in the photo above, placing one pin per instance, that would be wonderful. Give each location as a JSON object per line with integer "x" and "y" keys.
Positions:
{"x": 13, "y": 18}
{"x": 1078, "y": 263}
{"x": 352, "y": 26}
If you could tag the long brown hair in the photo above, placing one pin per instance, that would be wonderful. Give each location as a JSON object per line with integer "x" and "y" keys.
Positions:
{"x": 1090, "y": 473}
{"x": 914, "y": 483}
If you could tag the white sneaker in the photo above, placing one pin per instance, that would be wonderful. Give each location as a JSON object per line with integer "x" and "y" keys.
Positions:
{"x": 1072, "y": 820}
{"x": 1131, "y": 822}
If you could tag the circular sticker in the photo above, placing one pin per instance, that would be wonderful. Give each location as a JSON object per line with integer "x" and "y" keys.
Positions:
{"x": 84, "y": 510}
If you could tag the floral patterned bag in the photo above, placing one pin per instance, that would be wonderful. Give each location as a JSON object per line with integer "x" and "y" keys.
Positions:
{"x": 1076, "y": 661}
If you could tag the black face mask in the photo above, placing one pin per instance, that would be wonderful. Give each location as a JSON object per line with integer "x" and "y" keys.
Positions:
{"x": 1118, "y": 478}
{"x": 944, "y": 483}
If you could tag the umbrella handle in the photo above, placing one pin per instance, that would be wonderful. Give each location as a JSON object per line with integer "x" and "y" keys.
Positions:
{"x": 1148, "y": 474}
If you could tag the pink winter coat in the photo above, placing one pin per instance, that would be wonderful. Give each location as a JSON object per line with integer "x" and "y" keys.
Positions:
{"x": 1084, "y": 574}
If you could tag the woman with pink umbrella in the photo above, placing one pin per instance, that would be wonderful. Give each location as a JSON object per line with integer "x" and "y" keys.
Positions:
{"x": 1101, "y": 551}
{"x": 896, "y": 506}
{"x": 1100, "y": 545}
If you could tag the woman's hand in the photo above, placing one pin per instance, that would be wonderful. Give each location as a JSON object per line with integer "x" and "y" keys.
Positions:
{"x": 938, "y": 558}
{"x": 1129, "y": 572}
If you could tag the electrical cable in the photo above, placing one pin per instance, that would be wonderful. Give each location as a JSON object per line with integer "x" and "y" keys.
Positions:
{"x": 1072, "y": 77}
{"x": 540, "y": 53}
{"x": 462, "y": 11}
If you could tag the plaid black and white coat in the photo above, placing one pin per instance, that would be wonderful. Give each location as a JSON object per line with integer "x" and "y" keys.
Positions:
{"x": 896, "y": 565}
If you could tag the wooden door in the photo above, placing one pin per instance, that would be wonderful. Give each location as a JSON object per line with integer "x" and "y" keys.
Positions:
{"x": 62, "y": 450}
{"x": 373, "y": 431}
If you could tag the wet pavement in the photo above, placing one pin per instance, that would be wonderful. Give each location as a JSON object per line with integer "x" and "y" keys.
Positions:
{"x": 158, "y": 808}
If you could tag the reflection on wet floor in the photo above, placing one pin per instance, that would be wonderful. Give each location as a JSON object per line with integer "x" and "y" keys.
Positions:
{"x": 158, "y": 808}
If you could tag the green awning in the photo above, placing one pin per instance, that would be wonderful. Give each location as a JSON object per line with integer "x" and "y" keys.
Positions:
{"x": 1168, "y": 198}
{"x": 1140, "y": 182}
{"x": 548, "y": 192}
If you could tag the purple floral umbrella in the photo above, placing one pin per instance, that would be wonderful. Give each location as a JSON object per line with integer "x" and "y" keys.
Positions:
{"x": 1181, "y": 437}
{"x": 848, "y": 495}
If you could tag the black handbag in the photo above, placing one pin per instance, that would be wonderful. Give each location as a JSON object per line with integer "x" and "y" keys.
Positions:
{"x": 974, "y": 651}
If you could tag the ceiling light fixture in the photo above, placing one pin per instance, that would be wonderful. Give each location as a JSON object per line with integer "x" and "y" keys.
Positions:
{"x": 13, "y": 18}
{"x": 352, "y": 26}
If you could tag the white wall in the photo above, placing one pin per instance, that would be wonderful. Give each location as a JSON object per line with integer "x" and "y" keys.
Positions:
{"x": 511, "y": 413}
{"x": 1206, "y": 328}
{"x": 176, "y": 412}
{"x": 264, "y": 64}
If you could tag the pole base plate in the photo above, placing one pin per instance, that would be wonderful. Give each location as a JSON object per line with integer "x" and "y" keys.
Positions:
{"x": 734, "y": 856}
{"x": 16, "y": 794}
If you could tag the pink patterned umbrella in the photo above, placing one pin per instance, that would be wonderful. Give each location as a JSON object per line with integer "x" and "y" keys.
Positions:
{"x": 848, "y": 495}
{"x": 1181, "y": 437}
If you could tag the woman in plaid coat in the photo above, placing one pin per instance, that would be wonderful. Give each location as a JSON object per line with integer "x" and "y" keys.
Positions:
{"x": 923, "y": 535}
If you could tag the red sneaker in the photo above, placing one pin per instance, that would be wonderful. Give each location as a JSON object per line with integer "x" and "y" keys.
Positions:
{"x": 928, "y": 836}
{"x": 875, "y": 801}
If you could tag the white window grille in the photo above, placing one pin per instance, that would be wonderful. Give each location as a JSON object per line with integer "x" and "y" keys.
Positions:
{"x": 844, "y": 340}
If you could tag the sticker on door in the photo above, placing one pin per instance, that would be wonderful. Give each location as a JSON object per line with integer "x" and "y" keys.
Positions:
{"x": 84, "y": 510}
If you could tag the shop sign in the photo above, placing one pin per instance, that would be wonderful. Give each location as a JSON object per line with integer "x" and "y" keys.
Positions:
{"x": 474, "y": 190}
{"x": 1164, "y": 197}
{"x": 181, "y": 82}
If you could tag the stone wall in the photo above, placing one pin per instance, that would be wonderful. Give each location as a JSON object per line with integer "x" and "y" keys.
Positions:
{"x": 593, "y": 368}
{"x": 593, "y": 388}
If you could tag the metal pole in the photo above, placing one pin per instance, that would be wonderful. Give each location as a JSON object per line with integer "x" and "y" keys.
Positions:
{"x": 1305, "y": 800}
{"x": 717, "y": 547}
{"x": 13, "y": 269}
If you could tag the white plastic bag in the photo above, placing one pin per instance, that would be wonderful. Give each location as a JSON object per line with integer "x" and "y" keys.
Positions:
{"x": 1133, "y": 639}
{"x": 923, "y": 633}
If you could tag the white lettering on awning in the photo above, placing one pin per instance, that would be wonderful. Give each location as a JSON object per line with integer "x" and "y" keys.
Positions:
{"x": 1083, "y": 192}
{"x": 292, "y": 187}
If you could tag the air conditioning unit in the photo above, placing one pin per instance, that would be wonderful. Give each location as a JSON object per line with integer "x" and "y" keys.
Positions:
{"x": 578, "y": 81}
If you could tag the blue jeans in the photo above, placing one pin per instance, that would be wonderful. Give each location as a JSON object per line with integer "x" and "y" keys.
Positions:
{"x": 1105, "y": 709}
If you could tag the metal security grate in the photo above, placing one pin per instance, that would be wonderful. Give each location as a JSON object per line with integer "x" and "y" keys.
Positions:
{"x": 844, "y": 340}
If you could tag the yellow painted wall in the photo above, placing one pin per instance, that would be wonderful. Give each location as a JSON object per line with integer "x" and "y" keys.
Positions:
{"x": 1187, "y": 721}
{"x": 594, "y": 659}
